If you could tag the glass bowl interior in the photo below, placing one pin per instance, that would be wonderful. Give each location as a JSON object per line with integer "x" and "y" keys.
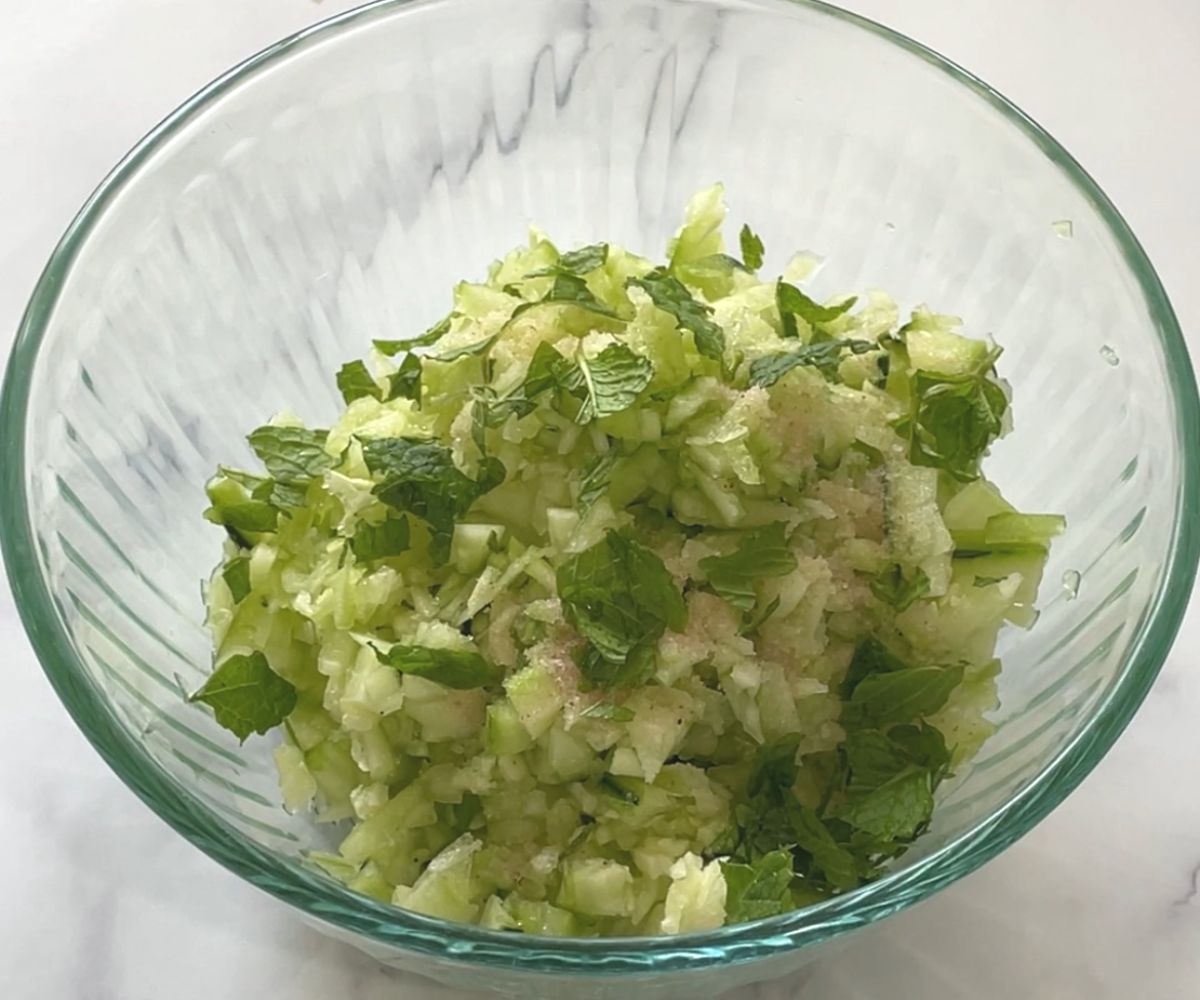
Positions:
{"x": 332, "y": 189}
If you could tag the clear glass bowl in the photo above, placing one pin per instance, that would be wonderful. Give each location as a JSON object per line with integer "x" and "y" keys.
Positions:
{"x": 331, "y": 189}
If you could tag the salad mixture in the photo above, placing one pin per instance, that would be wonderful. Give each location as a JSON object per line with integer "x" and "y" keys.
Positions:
{"x": 631, "y": 598}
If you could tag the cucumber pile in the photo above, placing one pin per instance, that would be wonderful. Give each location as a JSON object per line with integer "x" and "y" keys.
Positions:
{"x": 631, "y": 598}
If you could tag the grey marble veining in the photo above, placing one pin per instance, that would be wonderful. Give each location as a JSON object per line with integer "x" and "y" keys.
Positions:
{"x": 101, "y": 901}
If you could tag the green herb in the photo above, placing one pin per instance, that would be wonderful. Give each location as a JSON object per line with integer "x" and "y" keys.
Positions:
{"x": 430, "y": 336}
{"x": 620, "y": 598}
{"x": 901, "y": 695}
{"x": 378, "y": 541}
{"x": 792, "y": 302}
{"x": 612, "y": 380}
{"x": 752, "y": 248}
{"x": 597, "y": 476}
{"x": 247, "y": 696}
{"x": 952, "y": 421}
{"x": 578, "y": 262}
{"x": 283, "y": 495}
{"x": 354, "y": 381}
{"x": 420, "y": 477}
{"x": 250, "y": 515}
{"x": 870, "y": 657}
{"x": 405, "y": 382}
{"x": 754, "y": 619}
{"x": 236, "y": 575}
{"x": 453, "y": 668}
{"x": 988, "y": 581}
{"x": 763, "y": 553}
{"x": 607, "y": 710}
{"x": 292, "y": 454}
{"x": 898, "y": 589}
{"x": 760, "y": 889}
{"x": 670, "y": 295}
{"x": 620, "y": 787}
{"x": 568, "y": 290}
{"x": 824, "y": 355}
{"x": 470, "y": 351}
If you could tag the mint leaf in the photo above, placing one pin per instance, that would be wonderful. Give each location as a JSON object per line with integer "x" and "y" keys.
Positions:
{"x": 568, "y": 290}
{"x": 792, "y": 302}
{"x": 760, "y": 889}
{"x": 763, "y": 553}
{"x": 355, "y": 381}
{"x": 670, "y": 295}
{"x": 828, "y": 857}
{"x": 285, "y": 496}
{"x": 752, "y": 248}
{"x": 247, "y": 516}
{"x": 756, "y": 618}
{"x": 247, "y": 696}
{"x": 597, "y": 475}
{"x": 607, "y": 710}
{"x": 620, "y": 598}
{"x": 405, "y": 381}
{"x": 236, "y": 575}
{"x": 896, "y": 809}
{"x": 825, "y": 356}
{"x": 453, "y": 668}
{"x": 578, "y": 262}
{"x": 870, "y": 657}
{"x": 292, "y": 454}
{"x": 378, "y": 541}
{"x": 430, "y": 336}
{"x": 901, "y": 695}
{"x": 548, "y": 370}
{"x": 898, "y": 589}
{"x": 989, "y": 581}
{"x": 419, "y": 477}
{"x": 952, "y": 421}
{"x": 612, "y": 381}
{"x": 471, "y": 350}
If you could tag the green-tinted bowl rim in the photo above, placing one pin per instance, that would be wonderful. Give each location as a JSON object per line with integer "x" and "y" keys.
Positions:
{"x": 327, "y": 901}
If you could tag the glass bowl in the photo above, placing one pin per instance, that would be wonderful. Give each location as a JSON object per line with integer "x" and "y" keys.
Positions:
{"x": 331, "y": 189}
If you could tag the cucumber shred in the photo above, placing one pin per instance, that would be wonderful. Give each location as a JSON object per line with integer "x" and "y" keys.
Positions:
{"x": 630, "y": 598}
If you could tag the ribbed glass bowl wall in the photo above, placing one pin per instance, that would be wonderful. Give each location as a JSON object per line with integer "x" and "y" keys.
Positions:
{"x": 331, "y": 190}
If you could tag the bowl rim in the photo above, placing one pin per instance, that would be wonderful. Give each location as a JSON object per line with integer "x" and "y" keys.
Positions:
{"x": 331, "y": 903}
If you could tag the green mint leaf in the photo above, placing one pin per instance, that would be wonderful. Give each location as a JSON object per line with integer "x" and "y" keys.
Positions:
{"x": 248, "y": 516}
{"x": 671, "y": 296}
{"x": 578, "y": 262}
{"x": 870, "y": 657}
{"x": 901, "y": 695}
{"x": 354, "y": 381}
{"x": 378, "y": 541}
{"x": 453, "y": 668}
{"x": 620, "y": 598}
{"x": 924, "y": 746}
{"x": 597, "y": 475}
{"x": 607, "y": 710}
{"x": 825, "y": 356}
{"x": 247, "y": 696}
{"x": 286, "y": 496}
{"x": 831, "y": 859}
{"x": 430, "y": 336}
{"x": 567, "y": 290}
{"x": 613, "y": 379}
{"x": 896, "y": 809}
{"x": 763, "y": 553}
{"x": 419, "y": 477}
{"x": 512, "y": 289}
{"x": 236, "y": 575}
{"x": 549, "y": 370}
{"x": 988, "y": 581}
{"x": 901, "y": 591}
{"x": 752, "y": 248}
{"x": 470, "y": 351}
{"x": 755, "y": 618}
{"x": 792, "y": 302}
{"x": 760, "y": 889}
{"x": 405, "y": 381}
{"x": 952, "y": 421}
{"x": 292, "y": 454}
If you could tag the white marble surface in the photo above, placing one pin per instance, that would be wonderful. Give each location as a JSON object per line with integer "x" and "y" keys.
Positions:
{"x": 99, "y": 900}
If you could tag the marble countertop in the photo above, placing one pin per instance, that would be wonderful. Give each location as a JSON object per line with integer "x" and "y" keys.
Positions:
{"x": 99, "y": 900}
